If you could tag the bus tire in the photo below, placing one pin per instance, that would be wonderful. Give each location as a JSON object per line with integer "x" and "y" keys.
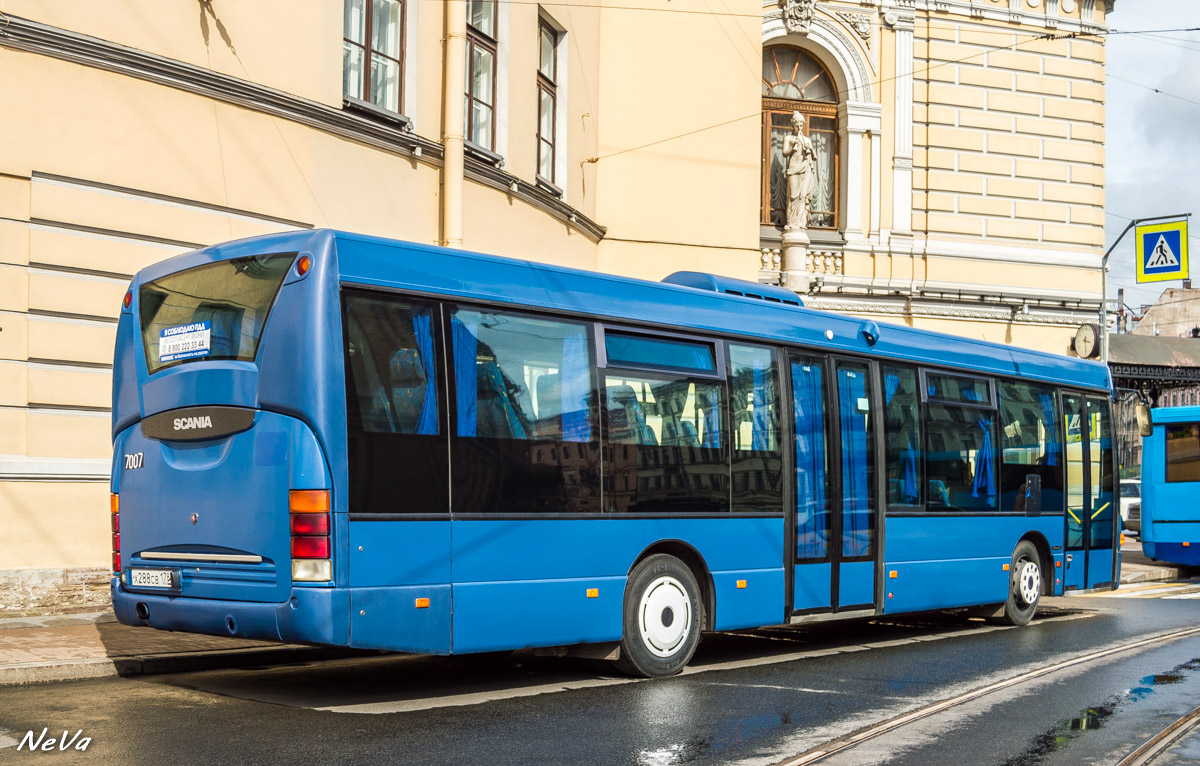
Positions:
{"x": 662, "y": 615}
{"x": 1024, "y": 585}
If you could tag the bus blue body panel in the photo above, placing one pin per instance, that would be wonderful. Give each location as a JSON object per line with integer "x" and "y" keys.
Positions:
{"x": 539, "y": 597}
{"x": 169, "y": 505}
{"x": 1170, "y": 510}
{"x": 927, "y": 578}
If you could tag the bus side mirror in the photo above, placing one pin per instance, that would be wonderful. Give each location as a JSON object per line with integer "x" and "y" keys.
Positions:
{"x": 1145, "y": 427}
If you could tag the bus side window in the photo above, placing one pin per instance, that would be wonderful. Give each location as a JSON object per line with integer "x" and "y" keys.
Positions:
{"x": 525, "y": 438}
{"x": 902, "y": 434}
{"x": 397, "y": 464}
{"x": 1030, "y": 446}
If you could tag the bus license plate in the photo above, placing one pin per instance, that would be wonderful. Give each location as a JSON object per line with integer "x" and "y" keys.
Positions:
{"x": 151, "y": 578}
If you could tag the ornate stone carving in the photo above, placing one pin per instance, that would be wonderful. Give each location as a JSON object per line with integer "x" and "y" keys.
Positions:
{"x": 859, "y": 22}
{"x": 797, "y": 15}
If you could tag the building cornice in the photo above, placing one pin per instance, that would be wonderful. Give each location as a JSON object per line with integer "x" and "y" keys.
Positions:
{"x": 21, "y": 34}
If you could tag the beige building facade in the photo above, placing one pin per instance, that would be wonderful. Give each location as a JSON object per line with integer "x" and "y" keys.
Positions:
{"x": 960, "y": 184}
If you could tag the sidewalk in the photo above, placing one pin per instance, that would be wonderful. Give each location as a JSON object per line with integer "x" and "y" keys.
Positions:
{"x": 69, "y": 647}
{"x": 75, "y": 646}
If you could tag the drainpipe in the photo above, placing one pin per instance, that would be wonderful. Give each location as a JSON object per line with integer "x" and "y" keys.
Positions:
{"x": 453, "y": 122}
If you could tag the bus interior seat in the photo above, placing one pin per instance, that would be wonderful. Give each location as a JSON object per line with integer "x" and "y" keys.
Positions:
{"x": 408, "y": 389}
{"x": 497, "y": 415}
{"x": 629, "y": 424}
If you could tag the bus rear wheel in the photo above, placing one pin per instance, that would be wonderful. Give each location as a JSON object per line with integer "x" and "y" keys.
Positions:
{"x": 1024, "y": 585}
{"x": 662, "y": 618}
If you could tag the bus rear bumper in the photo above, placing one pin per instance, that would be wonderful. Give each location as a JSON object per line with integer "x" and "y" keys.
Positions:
{"x": 310, "y": 615}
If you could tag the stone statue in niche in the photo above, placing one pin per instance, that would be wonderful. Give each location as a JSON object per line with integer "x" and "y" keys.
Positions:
{"x": 801, "y": 172}
{"x": 797, "y": 15}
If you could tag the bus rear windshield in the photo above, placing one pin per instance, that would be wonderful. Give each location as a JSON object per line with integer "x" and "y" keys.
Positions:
{"x": 215, "y": 311}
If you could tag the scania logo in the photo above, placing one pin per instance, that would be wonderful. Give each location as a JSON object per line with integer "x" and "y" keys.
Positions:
{"x": 195, "y": 518}
{"x": 187, "y": 424}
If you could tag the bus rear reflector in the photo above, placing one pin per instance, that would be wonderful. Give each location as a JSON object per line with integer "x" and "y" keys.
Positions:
{"x": 310, "y": 547}
{"x": 308, "y": 500}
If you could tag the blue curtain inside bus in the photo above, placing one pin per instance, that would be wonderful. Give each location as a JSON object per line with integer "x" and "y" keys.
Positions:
{"x": 465, "y": 351}
{"x": 985, "y": 459}
{"x": 422, "y": 330}
{"x": 1047, "y": 402}
{"x": 812, "y": 522}
{"x": 856, "y": 506}
{"x": 908, "y": 458}
{"x": 576, "y": 386}
{"x": 758, "y": 419}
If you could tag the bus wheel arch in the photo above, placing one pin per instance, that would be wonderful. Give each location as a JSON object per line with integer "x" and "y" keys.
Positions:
{"x": 695, "y": 562}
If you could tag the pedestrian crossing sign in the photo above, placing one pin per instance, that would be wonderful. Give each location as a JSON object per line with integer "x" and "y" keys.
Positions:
{"x": 1162, "y": 253}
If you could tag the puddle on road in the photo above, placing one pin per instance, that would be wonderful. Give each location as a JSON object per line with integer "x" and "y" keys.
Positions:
{"x": 1095, "y": 717}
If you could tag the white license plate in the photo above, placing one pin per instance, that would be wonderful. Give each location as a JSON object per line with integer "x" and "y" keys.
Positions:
{"x": 151, "y": 578}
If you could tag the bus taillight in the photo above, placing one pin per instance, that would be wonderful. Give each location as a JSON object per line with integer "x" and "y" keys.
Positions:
{"x": 114, "y": 505}
{"x": 309, "y": 522}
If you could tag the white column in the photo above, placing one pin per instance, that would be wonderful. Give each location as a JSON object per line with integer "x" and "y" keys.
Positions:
{"x": 902, "y": 25}
{"x": 856, "y": 119}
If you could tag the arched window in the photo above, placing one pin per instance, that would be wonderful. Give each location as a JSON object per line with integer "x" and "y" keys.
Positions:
{"x": 794, "y": 81}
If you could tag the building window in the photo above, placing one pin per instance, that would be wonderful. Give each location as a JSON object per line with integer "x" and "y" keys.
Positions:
{"x": 547, "y": 79}
{"x": 373, "y": 52}
{"x": 794, "y": 81}
{"x": 481, "y": 73}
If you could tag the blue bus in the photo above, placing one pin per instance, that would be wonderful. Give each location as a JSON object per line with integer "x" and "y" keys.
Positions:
{"x": 1171, "y": 486}
{"x": 336, "y": 439}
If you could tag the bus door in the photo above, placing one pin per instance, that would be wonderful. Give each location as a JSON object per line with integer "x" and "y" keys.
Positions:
{"x": 1091, "y": 531}
{"x": 836, "y": 494}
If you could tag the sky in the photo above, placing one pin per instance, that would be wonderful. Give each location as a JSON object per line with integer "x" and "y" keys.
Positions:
{"x": 1152, "y": 142}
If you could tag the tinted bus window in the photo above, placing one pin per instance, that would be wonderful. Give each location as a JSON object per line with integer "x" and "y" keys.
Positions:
{"x": 960, "y": 459}
{"x": 626, "y": 350}
{"x": 525, "y": 435}
{"x": 665, "y": 437}
{"x": 396, "y": 431}
{"x": 1029, "y": 446}
{"x": 1183, "y": 452}
{"x": 902, "y": 429}
{"x": 757, "y": 468}
{"x": 215, "y": 311}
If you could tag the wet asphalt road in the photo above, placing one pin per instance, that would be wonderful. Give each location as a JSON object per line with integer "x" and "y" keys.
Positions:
{"x": 747, "y": 699}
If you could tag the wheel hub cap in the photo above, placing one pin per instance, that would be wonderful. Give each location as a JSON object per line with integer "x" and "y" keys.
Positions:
{"x": 1029, "y": 582}
{"x": 665, "y": 616}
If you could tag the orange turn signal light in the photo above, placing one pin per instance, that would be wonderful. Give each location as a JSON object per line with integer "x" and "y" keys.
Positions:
{"x": 741, "y": 584}
{"x": 114, "y": 502}
{"x": 593, "y": 593}
{"x": 308, "y": 500}
{"x": 303, "y": 265}
{"x": 422, "y": 603}
{"x": 1006, "y": 567}
{"x": 892, "y": 575}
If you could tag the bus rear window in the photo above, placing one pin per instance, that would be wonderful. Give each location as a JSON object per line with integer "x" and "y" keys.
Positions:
{"x": 215, "y": 311}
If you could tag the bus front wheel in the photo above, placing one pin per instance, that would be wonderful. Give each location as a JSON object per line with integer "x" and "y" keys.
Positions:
{"x": 1024, "y": 585}
{"x": 662, "y": 618}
